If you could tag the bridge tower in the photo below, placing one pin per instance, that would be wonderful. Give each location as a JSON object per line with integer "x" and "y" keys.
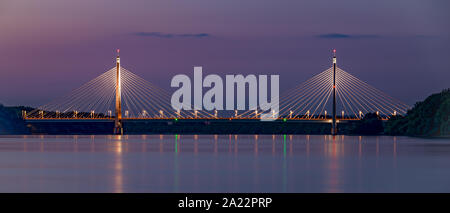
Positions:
{"x": 118, "y": 113}
{"x": 334, "y": 127}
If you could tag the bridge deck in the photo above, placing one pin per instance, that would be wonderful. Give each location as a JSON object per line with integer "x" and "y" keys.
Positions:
{"x": 180, "y": 119}
{"x": 185, "y": 126}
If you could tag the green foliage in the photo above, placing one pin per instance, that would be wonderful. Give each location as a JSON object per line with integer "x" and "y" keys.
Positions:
{"x": 427, "y": 118}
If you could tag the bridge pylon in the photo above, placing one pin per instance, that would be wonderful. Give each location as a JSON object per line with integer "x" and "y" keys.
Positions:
{"x": 333, "y": 126}
{"x": 118, "y": 129}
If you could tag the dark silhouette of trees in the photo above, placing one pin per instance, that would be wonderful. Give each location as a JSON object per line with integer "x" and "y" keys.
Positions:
{"x": 11, "y": 120}
{"x": 371, "y": 124}
{"x": 430, "y": 117}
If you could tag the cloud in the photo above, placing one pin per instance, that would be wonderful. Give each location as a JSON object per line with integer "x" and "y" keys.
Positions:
{"x": 171, "y": 35}
{"x": 346, "y": 36}
{"x": 426, "y": 36}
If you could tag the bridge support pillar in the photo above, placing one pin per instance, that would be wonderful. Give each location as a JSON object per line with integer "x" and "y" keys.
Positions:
{"x": 333, "y": 125}
{"x": 118, "y": 130}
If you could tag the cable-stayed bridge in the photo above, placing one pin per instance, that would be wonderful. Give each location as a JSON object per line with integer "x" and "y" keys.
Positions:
{"x": 118, "y": 95}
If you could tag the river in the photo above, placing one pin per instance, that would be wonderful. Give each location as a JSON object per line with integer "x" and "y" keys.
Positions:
{"x": 223, "y": 163}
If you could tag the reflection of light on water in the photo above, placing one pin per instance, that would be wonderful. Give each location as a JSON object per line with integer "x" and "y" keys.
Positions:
{"x": 284, "y": 165}
{"x": 118, "y": 145}
{"x": 256, "y": 147}
{"x": 229, "y": 144}
{"x": 359, "y": 146}
{"x": 377, "y": 150}
{"x": 395, "y": 161}
{"x": 290, "y": 148}
{"x": 92, "y": 146}
{"x": 325, "y": 146}
{"x": 307, "y": 146}
{"x": 377, "y": 144}
{"x": 179, "y": 144}
{"x": 118, "y": 149}
{"x": 395, "y": 146}
{"x": 333, "y": 180}
{"x": 144, "y": 147}
{"x": 255, "y": 167}
{"x": 215, "y": 144}
{"x": 176, "y": 175}
{"x": 273, "y": 147}
{"x": 395, "y": 151}
{"x": 196, "y": 144}
{"x": 118, "y": 165}
{"x": 176, "y": 143}
{"x": 75, "y": 144}
{"x": 235, "y": 144}
{"x": 161, "y": 145}
{"x": 335, "y": 148}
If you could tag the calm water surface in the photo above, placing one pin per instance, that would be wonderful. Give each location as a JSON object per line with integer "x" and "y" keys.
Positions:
{"x": 224, "y": 163}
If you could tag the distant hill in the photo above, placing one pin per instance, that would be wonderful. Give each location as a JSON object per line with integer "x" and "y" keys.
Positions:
{"x": 430, "y": 117}
{"x": 11, "y": 120}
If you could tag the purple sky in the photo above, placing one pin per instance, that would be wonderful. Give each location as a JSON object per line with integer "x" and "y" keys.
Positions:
{"x": 50, "y": 47}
